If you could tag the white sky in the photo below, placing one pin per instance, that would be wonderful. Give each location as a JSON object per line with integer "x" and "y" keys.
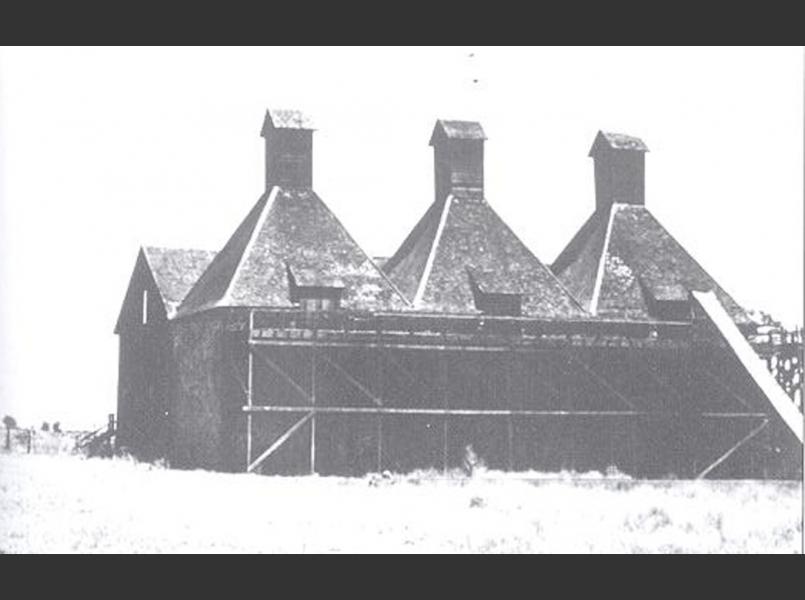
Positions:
{"x": 102, "y": 150}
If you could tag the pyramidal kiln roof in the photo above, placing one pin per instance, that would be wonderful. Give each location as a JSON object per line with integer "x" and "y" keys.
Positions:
{"x": 617, "y": 249}
{"x": 463, "y": 235}
{"x": 290, "y": 229}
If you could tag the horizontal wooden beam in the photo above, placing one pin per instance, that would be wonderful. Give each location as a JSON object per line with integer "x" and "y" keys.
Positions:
{"x": 487, "y": 412}
{"x": 524, "y": 346}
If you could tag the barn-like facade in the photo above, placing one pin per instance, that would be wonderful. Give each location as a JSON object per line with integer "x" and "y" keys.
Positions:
{"x": 291, "y": 351}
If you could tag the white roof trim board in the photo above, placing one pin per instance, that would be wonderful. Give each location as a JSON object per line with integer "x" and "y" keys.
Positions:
{"x": 431, "y": 256}
{"x": 226, "y": 298}
{"x": 602, "y": 264}
{"x": 751, "y": 362}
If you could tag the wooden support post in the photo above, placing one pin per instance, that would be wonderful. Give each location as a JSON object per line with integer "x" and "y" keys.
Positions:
{"x": 509, "y": 422}
{"x": 249, "y": 390}
{"x": 379, "y": 443}
{"x": 109, "y": 443}
{"x": 313, "y": 417}
{"x": 379, "y": 375}
{"x": 510, "y": 425}
{"x": 445, "y": 386}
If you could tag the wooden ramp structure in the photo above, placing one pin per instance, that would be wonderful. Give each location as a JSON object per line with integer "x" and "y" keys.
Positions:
{"x": 754, "y": 366}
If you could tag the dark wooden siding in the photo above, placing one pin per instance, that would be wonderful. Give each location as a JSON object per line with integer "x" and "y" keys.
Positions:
{"x": 144, "y": 368}
{"x": 208, "y": 391}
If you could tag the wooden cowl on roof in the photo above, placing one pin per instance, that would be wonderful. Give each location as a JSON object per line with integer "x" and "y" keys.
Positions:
{"x": 623, "y": 263}
{"x": 458, "y": 152}
{"x": 289, "y": 148}
{"x": 619, "y": 169}
{"x": 290, "y": 235}
{"x": 461, "y": 235}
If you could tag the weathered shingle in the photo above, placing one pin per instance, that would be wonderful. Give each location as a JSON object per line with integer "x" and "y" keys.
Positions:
{"x": 290, "y": 228}
{"x": 461, "y": 130}
{"x": 280, "y": 118}
{"x": 617, "y": 141}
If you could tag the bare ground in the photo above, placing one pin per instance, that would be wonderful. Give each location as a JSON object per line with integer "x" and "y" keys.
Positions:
{"x": 71, "y": 504}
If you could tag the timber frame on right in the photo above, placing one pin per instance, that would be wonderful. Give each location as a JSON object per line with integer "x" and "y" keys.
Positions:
{"x": 291, "y": 351}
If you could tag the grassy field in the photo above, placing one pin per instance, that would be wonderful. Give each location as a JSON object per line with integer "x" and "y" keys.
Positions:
{"x": 72, "y": 504}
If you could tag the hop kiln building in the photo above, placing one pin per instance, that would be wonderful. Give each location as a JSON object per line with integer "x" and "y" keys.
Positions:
{"x": 291, "y": 351}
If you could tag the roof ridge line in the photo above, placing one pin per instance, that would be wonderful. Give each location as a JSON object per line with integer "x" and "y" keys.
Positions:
{"x": 225, "y": 297}
{"x": 432, "y": 254}
{"x": 599, "y": 276}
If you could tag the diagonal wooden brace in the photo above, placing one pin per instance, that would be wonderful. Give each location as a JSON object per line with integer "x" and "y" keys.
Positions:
{"x": 277, "y": 369}
{"x": 366, "y": 391}
{"x": 280, "y": 441}
{"x": 729, "y": 452}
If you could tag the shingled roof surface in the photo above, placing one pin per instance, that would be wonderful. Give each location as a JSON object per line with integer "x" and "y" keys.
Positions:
{"x": 287, "y": 119}
{"x": 617, "y": 141}
{"x": 290, "y": 229}
{"x": 458, "y": 130}
{"x": 638, "y": 248}
{"x": 462, "y": 236}
{"x": 175, "y": 271}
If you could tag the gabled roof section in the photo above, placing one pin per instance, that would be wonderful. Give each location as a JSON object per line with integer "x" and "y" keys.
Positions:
{"x": 457, "y": 130}
{"x": 616, "y": 141}
{"x": 465, "y": 235}
{"x": 175, "y": 271}
{"x": 621, "y": 254}
{"x": 290, "y": 229}
{"x": 280, "y": 118}
{"x": 171, "y": 272}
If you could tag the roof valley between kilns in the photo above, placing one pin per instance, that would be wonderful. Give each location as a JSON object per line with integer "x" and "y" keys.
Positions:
{"x": 605, "y": 261}
{"x": 175, "y": 271}
{"x": 464, "y": 235}
{"x": 290, "y": 229}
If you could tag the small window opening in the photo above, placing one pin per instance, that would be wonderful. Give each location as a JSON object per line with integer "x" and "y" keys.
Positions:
{"x": 319, "y": 303}
{"x": 145, "y": 307}
{"x": 313, "y": 298}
